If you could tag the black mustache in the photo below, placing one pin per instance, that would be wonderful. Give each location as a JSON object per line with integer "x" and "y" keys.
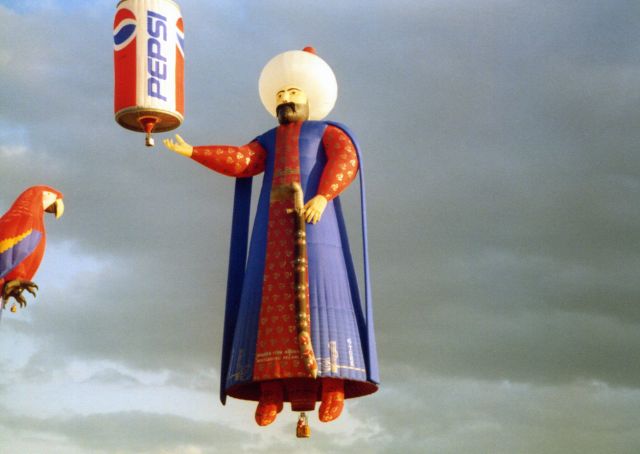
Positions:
{"x": 287, "y": 105}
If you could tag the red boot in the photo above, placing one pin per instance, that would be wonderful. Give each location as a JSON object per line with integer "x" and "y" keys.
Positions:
{"x": 270, "y": 404}
{"x": 332, "y": 399}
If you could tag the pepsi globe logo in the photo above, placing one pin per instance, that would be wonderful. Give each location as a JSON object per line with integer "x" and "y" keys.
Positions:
{"x": 124, "y": 28}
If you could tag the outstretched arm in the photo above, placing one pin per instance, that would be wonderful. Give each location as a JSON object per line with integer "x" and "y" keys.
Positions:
{"x": 243, "y": 161}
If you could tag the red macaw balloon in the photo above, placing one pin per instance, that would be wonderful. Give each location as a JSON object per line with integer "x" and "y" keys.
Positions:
{"x": 23, "y": 240}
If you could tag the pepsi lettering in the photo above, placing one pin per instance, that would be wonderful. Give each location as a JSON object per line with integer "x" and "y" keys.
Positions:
{"x": 156, "y": 62}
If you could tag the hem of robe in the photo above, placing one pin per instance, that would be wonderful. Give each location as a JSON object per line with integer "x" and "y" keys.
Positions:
{"x": 251, "y": 391}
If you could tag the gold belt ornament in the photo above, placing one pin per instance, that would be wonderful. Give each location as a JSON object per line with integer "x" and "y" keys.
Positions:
{"x": 280, "y": 193}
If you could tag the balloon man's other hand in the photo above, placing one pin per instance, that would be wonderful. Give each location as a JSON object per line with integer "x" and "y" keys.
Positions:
{"x": 314, "y": 208}
{"x": 179, "y": 146}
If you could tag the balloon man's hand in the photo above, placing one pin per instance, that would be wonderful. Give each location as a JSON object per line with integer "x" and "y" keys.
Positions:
{"x": 314, "y": 208}
{"x": 179, "y": 146}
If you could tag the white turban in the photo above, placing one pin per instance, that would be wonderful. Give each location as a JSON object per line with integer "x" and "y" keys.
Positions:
{"x": 302, "y": 69}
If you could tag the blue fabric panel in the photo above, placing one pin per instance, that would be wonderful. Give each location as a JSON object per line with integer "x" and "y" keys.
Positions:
{"x": 371, "y": 354}
{"x": 10, "y": 258}
{"x": 335, "y": 333}
{"x": 235, "y": 277}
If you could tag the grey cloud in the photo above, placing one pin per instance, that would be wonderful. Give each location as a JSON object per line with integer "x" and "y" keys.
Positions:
{"x": 132, "y": 432}
{"x": 459, "y": 415}
{"x": 111, "y": 376}
{"x": 134, "y": 320}
{"x": 205, "y": 380}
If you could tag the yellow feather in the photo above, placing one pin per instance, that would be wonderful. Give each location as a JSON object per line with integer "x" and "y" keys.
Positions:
{"x": 10, "y": 242}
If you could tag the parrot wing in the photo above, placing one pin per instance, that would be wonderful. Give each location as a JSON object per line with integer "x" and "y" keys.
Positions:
{"x": 15, "y": 249}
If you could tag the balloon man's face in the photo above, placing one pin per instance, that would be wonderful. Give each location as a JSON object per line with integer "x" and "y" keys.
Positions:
{"x": 291, "y": 94}
{"x": 292, "y": 105}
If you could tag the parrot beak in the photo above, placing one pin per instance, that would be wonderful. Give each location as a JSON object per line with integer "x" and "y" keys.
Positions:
{"x": 57, "y": 208}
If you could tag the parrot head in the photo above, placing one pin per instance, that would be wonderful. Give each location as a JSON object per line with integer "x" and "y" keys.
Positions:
{"x": 41, "y": 199}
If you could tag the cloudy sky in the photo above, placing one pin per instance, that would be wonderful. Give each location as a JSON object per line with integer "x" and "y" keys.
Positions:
{"x": 500, "y": 142}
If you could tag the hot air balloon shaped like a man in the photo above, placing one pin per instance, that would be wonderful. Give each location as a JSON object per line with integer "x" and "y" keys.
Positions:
{"x": 296, "y": 328}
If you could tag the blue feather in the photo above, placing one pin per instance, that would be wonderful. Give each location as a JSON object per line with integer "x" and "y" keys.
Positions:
{"x": 12, "y": 257}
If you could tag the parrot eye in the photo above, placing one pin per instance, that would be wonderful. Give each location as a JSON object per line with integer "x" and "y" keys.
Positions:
{"x": 48, "y": 198}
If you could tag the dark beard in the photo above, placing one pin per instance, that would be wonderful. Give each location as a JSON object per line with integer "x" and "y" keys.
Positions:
{"x": 290, "y": 112}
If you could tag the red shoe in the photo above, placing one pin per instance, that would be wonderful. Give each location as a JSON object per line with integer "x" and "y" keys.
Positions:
{"x": 332, "y": 399}
{"x": 270, "y": 403}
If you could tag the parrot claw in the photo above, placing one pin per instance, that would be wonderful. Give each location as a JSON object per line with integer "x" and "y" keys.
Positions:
{"x": 31, "y": 288}
{"x": 13, "y": 289}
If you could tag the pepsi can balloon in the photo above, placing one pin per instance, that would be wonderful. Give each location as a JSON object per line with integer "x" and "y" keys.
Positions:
{"x": 148, "y": 55}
